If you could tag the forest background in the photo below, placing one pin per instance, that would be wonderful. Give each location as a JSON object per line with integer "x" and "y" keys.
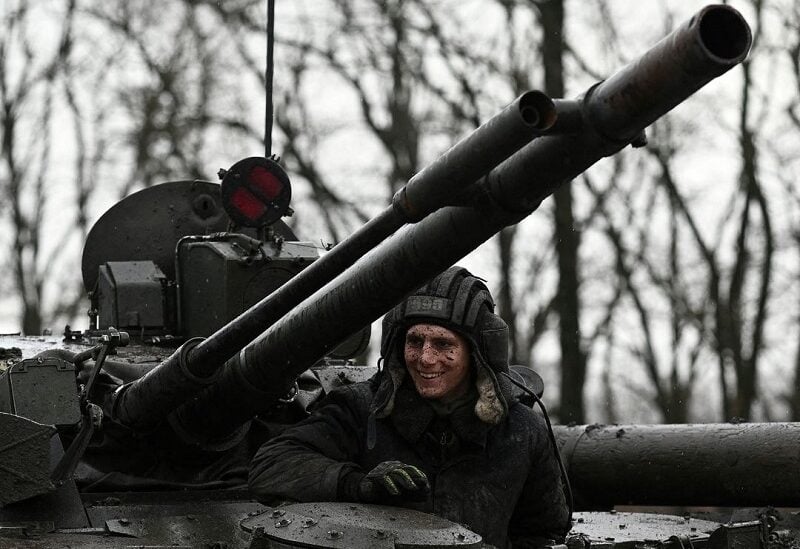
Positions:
{"x": 661, "y": 285}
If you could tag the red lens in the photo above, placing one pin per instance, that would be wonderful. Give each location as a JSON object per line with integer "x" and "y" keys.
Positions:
{"x": 265, "y": 183}
{"x": 247, "y": 204}
{"x": 256, "y": 192}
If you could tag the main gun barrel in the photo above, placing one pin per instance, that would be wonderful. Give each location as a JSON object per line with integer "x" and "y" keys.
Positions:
{"x": 612, "y": 114}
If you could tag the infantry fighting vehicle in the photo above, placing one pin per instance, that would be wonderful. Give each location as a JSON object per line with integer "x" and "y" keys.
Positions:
{"x": 212, "y": 327}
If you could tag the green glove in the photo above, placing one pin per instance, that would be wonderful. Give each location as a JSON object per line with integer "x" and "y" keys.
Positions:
{"x": 394, "y": 481}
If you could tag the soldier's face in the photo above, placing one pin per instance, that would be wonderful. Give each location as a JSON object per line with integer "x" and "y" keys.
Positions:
{"x": 438, "y": 360}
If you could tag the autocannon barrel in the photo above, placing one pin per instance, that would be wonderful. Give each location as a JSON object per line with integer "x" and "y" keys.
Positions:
{"x": 613, "y": 113}
{"x": 146, "y": 401}
{"x": 530, "y": 115}
{"x": 746, "y": 464}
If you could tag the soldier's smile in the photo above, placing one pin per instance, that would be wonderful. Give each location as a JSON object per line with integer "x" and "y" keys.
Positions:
{"x": 438, "y": 360}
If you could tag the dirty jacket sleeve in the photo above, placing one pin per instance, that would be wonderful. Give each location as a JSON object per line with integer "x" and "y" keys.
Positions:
{"x": 541, "y": 514}
{"x": 305, "y": 462}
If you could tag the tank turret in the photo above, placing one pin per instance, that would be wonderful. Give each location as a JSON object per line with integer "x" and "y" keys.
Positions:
{"x": 242, "y": 323}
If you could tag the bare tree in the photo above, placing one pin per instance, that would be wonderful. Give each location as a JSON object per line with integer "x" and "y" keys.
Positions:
{"x": 639, "y": 277}
{"x": 28, "y": 94}
{"x": 789, "y": 160}
{"x": 71, "y": 92}
{"x": 660, "y": 285}
{"x": 172, "y": 108}
{"x": 567, "y": 239}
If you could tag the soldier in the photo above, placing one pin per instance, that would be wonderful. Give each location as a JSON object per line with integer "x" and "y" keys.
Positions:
{"x": 437, "y": 429}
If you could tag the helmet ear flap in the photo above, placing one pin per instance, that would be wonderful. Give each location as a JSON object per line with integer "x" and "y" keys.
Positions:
{"x": 389, "y": 327}
{"x": 494, "y": 341}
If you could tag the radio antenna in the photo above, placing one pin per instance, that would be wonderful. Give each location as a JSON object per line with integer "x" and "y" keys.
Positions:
{"x": 268, "y": 77}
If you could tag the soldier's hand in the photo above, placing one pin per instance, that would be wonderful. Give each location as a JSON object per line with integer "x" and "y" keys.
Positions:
{"x": 394, "y": 481}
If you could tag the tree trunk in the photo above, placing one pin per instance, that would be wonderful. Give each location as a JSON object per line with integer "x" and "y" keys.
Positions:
{"x": 505, "y": 298}
{"x": 573, "y": 359}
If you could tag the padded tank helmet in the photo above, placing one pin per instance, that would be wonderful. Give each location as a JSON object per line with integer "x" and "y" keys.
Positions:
{"x": 460, "y": 302}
